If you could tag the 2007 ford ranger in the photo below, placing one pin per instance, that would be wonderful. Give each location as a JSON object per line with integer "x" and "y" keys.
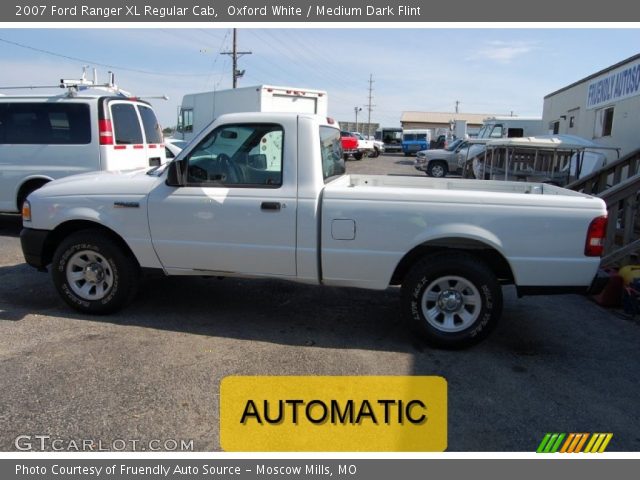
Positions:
{"x": 266, "y": 195}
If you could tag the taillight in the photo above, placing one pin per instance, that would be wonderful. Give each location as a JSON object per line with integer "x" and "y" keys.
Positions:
{"x": 105, "y": 132}
{"x": 594, "y": 246}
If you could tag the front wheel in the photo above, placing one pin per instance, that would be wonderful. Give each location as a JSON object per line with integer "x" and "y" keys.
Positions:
{"x": 357, "y": 156}
{"x": 93, "y": 274}
{"x": 437, "y": 169}
{"x": 375, "y": 153}
{"x": 453, "y": 300}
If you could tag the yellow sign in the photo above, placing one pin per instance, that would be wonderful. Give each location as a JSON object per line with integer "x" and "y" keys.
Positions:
{"x": 333, "y": 414}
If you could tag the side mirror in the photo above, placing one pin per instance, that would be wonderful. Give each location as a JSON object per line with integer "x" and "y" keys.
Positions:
{"x": 174, "y": 173}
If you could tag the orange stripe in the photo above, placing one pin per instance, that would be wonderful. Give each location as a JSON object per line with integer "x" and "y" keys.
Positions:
{"x": 574, "y": 443}
{"x": 582, "y": 442}
{"x": 567, "y": 443}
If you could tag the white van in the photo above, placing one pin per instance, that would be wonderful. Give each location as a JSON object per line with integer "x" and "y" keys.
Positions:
{"x": 47, "y": 137}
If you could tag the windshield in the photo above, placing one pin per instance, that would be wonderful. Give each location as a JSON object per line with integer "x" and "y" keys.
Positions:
{"x": 178, "y": 143}
{"x": 414, "y": 137}
{"x": 453, "y": 145}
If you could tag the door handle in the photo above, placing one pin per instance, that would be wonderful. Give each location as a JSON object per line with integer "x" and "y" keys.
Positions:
{"x": 270, "y": 206}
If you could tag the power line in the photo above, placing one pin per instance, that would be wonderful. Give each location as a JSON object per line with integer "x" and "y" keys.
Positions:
{"x": 91, "y": 62}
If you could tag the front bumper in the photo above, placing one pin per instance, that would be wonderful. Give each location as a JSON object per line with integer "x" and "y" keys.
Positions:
{"x": 33, "y": 246}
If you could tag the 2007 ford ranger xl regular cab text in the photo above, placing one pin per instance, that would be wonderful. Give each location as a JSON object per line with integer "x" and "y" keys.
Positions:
{"x": 266, "y": 195}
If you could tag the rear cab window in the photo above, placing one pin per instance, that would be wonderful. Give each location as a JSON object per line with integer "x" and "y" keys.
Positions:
{"x": 331, "y": 153}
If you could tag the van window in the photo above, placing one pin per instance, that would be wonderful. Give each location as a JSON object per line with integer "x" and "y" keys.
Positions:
{"x": 152, "y": 130}
{"x": 126, "y": 126}
{"x": 45, "y": 123}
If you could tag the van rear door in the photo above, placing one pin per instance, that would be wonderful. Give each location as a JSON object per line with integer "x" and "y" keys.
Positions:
{"x": 136, "y": 137}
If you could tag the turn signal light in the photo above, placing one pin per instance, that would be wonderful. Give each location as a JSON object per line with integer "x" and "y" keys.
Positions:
{"x": 26, "y": 211}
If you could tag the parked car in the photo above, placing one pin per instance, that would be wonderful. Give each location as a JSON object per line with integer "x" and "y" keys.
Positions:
{"x": 373, "y": 148}
{"x": 228, "y": 209}
{"x": 43, "y": 138}
{"x": 350, "y": 145}
{"x": 173, "y": 146}
{"x": 440, "y": 162}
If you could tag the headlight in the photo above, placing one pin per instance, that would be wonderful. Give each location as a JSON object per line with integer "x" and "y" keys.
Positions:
{"x": 26, "y": 211}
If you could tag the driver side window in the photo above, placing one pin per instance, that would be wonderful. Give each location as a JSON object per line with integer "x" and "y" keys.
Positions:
{"x": 242, "y": 155}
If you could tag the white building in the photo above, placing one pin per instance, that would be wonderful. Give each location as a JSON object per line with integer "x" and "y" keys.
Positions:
{"x": 603, "y": 107}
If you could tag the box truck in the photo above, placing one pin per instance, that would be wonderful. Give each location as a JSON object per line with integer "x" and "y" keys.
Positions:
{"x": 199, "y": 109}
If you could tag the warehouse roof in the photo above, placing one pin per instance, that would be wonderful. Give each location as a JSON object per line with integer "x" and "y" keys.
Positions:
{"x": 443, "y": 117}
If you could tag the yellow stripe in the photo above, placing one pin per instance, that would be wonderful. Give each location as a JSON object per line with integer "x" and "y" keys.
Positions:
{"x": 596, "y": 446}
{"x": 605, "y": 443}
{"x": 582, "y": 442}
{"x": 567, "y": 442}
{"x": 590, "y": 444}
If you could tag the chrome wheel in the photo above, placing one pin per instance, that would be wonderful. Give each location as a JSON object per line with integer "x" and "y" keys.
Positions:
{"x": 451, "y": 303}
{"x": 437, "y": 171}
{"x": 89, "y": 275}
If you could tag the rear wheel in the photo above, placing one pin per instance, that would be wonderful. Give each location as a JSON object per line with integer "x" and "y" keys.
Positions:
{"x": 452, "y": 300}
{"x": 437, "y": 169}
{"x": 357, "y": 155}
{"x": 93, "y": 274}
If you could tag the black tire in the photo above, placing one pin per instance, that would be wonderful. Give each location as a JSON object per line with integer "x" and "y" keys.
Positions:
{"x": 357, "y": 156}
{"x": 437, "y": 169}
{"x": 109, "y": 272}
{"x": 375, "y": 153}
{"x": 444, "y": 318}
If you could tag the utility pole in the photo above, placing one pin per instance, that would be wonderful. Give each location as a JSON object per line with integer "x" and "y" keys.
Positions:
{"x": 235, "y": 55}
{"x": 370, "y": 105}
{"x": 457, "y": 105}
{"x": 357, "y": 109}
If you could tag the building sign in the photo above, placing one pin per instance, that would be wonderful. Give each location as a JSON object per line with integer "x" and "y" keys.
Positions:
{"x": 621, "y": 83}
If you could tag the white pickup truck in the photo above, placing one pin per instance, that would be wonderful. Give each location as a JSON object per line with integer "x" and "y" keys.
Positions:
{"x": 266, "y": 195}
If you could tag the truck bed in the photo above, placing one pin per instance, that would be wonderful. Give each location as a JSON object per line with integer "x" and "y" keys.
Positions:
{"x": 454, "y": 190}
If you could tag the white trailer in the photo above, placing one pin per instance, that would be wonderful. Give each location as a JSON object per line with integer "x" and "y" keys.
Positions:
{"x": 200, "y": 109}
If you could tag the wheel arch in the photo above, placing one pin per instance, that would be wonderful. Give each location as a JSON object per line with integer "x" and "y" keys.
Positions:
{"x": 65, "y": 229}
{"x": 27, "y": 185}
{"x": 480, "y": 249}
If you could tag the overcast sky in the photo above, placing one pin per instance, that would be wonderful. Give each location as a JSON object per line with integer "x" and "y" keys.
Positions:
{"x": 487, "y": 70}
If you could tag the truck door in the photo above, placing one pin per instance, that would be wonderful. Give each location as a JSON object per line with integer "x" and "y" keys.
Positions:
{"x": 237, "y": 211}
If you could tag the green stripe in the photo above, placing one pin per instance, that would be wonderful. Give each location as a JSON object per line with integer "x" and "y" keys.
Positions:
{"x": 558, "y": 443}
{"x": 543, "y": 443}
{"x": 552, "y": 440}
